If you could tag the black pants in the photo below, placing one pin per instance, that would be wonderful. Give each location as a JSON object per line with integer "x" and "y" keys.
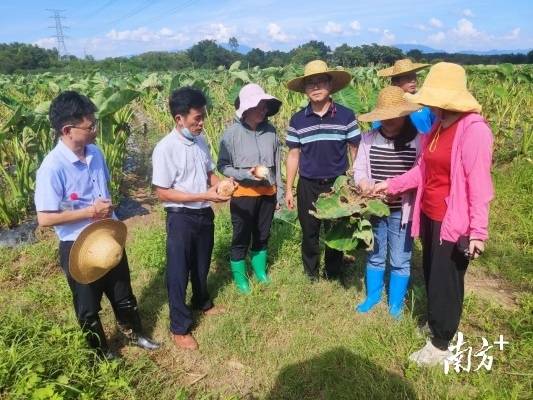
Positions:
{"x": 307, "y": 193}
{"x": 116, "y": 285}
{"x": 444, "y": 272}
{"x": 251, "y": 218}
{"x": 190, "y": 237}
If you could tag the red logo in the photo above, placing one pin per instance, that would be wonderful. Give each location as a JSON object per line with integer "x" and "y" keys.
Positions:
{"x": 74, "y": 196}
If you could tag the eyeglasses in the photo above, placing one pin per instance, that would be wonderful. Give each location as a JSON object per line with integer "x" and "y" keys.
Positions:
{"x": 90, "y": 129}
{"x": 317, "y": 82}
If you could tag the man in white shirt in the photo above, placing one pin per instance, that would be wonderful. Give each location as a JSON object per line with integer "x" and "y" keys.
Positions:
{"x": 185, "y": 183}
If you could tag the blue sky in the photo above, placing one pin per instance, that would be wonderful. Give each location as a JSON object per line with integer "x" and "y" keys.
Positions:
{"x": 105, "y": 28}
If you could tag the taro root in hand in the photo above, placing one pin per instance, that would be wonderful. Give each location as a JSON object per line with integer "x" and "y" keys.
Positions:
{"x": 261, "y": 172}
{"x": 226, "y": 188}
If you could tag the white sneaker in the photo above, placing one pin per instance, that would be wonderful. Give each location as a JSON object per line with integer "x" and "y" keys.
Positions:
{"x": 430, "y": 355}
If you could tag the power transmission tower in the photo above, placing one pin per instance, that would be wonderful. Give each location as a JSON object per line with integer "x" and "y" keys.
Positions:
{"x": 59, "y": 27}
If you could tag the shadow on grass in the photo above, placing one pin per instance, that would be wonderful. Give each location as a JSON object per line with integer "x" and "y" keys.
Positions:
{"x": 339, "y": 374}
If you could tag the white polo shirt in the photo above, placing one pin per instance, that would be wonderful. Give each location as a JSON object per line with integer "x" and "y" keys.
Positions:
{"x": 182, "y": 164}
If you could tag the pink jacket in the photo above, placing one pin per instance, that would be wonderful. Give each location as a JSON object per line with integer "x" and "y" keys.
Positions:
{"x": 471, "y": 187}
{"x": 361, "y": 169}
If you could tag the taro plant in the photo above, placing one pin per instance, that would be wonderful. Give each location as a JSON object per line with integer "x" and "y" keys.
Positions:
{"x": 349, "y": 211}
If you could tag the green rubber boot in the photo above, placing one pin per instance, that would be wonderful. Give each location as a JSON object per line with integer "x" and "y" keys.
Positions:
{"x": 238, "y": 270}
{"x": 259, "y": 265}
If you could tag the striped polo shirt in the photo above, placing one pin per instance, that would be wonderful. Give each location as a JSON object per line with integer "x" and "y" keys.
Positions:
{"x": 387, "y": 162}
{"x": 322, "y": 140}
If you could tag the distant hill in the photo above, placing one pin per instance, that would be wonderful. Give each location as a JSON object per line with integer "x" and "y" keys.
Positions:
{"x": 495, "y": 52}
{"x": 424, "y": 49}
{"x": 242, "y": 49}
{"x": 405, "y": 47}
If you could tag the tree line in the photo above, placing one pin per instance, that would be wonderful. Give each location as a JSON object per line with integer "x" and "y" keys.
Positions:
{"x": 21, "y": 57}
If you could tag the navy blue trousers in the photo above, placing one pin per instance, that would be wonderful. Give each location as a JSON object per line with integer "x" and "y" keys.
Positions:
{"x": 190, "y": 237}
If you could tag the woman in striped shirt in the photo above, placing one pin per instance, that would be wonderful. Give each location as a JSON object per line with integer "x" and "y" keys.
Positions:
{"x": 385, "y": 152}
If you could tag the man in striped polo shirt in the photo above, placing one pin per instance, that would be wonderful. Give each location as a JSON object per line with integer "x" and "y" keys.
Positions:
{"x": 318, "y": 138}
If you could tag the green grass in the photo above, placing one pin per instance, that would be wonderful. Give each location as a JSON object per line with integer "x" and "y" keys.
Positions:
{"x": 288, "y": 340}
{"x": 510, "y": 247}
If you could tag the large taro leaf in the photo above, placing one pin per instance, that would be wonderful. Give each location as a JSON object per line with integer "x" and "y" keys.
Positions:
{"x": 340, "y": 182}
{"x": 364, "y": 233}
{"x": 377, "y": 208}
{"x": 347, "y": 97}
{"x": 340, "y": 235}
{"x": 335, "y": 204}
{"x": 330, "y": 206}
{"x": 117, "y": 101}
{"x": 286, "y": 215}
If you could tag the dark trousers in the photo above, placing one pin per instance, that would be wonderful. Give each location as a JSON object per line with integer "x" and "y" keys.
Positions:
{"x": 190, "y": 237}
{"x": 307, "y": 193}
{"x": 251, "y": 218}
{"x": 444, "y": 272}
{"x": 116, "y": 285}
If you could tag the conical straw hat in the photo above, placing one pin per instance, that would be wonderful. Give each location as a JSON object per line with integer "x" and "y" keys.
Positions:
{"x": 401, "y": 67}
{"x": 97, "y": 250}
{"x": 391, "y": 104}
{"x": 339, "y": 78}
{"x": 445, "y": 87}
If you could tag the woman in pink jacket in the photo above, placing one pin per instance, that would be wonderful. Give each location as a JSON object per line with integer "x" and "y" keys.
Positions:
{"x": 454, "y": 188}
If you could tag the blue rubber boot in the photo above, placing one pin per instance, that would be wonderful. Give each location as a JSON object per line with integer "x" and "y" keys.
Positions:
{"x": 397, "y": 290}
{"x": 374, "y": 287}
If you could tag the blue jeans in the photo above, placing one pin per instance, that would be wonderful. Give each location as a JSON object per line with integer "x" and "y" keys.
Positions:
{"x": 390, "y": 236}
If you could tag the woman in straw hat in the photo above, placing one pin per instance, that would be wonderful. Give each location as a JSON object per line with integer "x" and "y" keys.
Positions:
{"x": 318, "y": 138}
{"x": 250, "y": 153}
{"x": 454, "y": 188}
{"x": 71, "y": 193}
{"x": 386, "y": 152}
{"x": 404, "y": 75}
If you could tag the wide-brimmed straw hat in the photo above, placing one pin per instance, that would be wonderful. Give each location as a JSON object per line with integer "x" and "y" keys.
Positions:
{"x": 339, "y": 78}
{"x": 249, "y": 97}
{"x": 97, "y": 250}
{"x": 401, "y": 67}
{"x": 445, "y": 87}
{"x": 391, "y": 104}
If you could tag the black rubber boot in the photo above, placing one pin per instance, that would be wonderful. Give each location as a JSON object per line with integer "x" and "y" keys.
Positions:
{"x": 129, "y": 323}
{"x": 94, "y": 333}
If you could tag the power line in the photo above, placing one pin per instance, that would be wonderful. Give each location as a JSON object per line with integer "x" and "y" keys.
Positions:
{"x": 60, "y": 36}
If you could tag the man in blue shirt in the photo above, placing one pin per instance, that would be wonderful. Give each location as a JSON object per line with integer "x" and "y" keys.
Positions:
{"x": 403, "y": 75}
{"x": 71, "y": 192}
{"x": 318, "y": 138}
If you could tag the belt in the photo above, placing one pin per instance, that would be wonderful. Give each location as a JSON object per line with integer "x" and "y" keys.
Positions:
{"x": 191, "y": 211}
{"x": 321, "y": 181}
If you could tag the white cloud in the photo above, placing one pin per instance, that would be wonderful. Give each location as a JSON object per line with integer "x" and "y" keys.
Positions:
{"x": 145, "y": 35}
{"x": 141, "y": 34}
{"x": 355, "y": 25}
{"x": 276, "y": 33}
{"x": 435, "y": 23}
{"x": 374, "y": 30}
{"x": 421, "y": 27}
{"x": 388, "y": 37}
{"x": 47, "y": 43}
{"x": 333, "y": 28}
{"x": 513, "y": 34}
{"x": 468, "y": 13}
{"x": 165, "y": 31}
{"x": 219, "y": 32}
{"x": 465, "y": 29}
{"x": 437, "y": 37}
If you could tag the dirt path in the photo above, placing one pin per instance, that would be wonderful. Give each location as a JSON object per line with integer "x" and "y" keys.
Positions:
{"x": 491, "y": 288}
